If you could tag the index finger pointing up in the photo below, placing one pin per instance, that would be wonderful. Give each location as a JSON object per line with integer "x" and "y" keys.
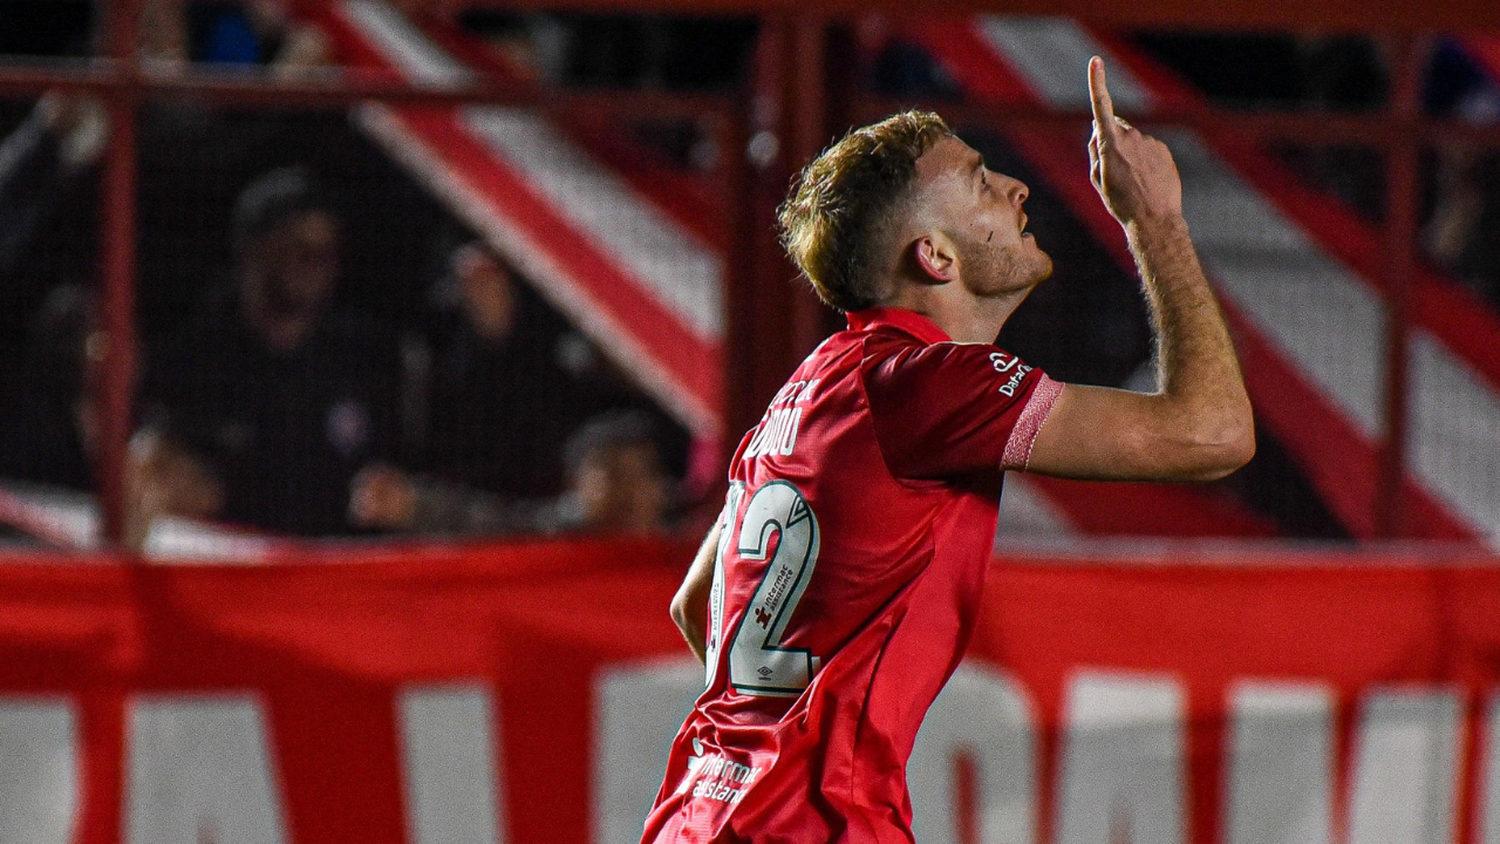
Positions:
{"x": 1104, "y": 108}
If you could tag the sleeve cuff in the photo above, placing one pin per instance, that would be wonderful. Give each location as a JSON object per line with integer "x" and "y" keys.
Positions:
{"x": 1023, "y": 436}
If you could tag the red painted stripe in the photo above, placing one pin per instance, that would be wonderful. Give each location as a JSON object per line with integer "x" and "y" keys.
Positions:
{"x": 695, "y": 201}
{"x": 350, "y": 48}
{"x": 676, "y": 351}
{"x": 967, "y": 55}
{"x": 1341, "y": 464}
{"x": 1485, "y": 50}
{"x": 1140, "y": 509}
{"x": 1115, "y": 508}
{"x": 687, "y": 198}
{"x": 1463, "y": 321}
{"x": 688, "y": 358}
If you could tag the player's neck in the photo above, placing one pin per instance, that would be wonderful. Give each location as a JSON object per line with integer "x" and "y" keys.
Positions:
{"x": 965, "y": 318}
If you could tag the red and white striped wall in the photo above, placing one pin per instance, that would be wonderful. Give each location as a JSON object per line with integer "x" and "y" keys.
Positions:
{"x": 1300, "y": 276}
{"x": 635, "y": 267}
{"x": 645, "y": 287}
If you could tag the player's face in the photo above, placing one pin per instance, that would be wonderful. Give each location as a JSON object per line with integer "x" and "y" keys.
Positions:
{"x": 981, "y": 211}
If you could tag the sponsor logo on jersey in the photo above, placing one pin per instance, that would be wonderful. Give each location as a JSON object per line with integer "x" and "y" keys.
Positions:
{"x": 715, "y": 777}
{"x": 1007, "y": 363}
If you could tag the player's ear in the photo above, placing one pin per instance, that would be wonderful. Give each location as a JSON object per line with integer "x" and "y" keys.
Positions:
{"x": 936, "y": 258}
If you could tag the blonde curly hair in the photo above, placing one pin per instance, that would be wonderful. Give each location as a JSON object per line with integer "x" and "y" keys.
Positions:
{"x": 842, "y": 206}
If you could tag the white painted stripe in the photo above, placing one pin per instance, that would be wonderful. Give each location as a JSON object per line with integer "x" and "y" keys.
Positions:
{"x": 1026, "y": 514}
{"x": 1487, "y": 819}
{"x": 987, "y": 717}
{"x": 393, "y": 34}
{"x": 664, "y": 258}
{"x": 638, "y": 707}
{"x": 453, "y": 784}
{"x": 562, "y": 290}
{"x": 1122, "y": 759}
{"x": 1052, "y": 54}
{"x": 38, "y": 774}
{"x": 669, "y": 263}
{"x": 1453, "y": 438}
{"x": 1312, "y": 305}
{"x": 200, "y": 767}
{"x": 1281, "y": 739}
{"x": 1406, "y": 767}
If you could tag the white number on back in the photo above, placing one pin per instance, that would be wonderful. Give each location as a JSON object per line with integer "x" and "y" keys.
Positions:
{"x": 716, "y": 593}
{"x": 758, "y": 665}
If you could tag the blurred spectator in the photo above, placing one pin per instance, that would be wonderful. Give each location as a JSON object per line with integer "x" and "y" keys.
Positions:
{"x": 1463, "y": 233}
{"x": 264, "y": 405}
{"x": 43, "y": 161}
{"x": 63, "y": 136}
{"x": 258, "y": 32}
{"x": 163, "y": 43}
{"x": 616, "y": 480}
{"x": 616, "y": 484}
{"x": 892, "y": 64}
{"x": 252, "y": 33}
{"x": 51, "y": 430}
{"x": 508, "y": 379}
{"x": 675, "y": 52}
{"x": 166, "y": 478}
{"x": 506, "y": 383}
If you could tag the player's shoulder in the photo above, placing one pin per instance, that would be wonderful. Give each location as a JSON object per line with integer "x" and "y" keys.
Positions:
{"x": 837, "y": 355}
{"x": 892, "y": 357}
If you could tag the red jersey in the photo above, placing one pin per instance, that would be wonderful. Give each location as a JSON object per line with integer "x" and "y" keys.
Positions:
{"x": 852, "y": 553}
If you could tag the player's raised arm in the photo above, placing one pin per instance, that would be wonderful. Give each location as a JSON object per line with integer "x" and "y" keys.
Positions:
{"x": 1198, "y": 424}
{"x": 690, "y": 604}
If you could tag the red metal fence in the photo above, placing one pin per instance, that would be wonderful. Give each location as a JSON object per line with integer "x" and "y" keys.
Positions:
{"x": 796, "y": 95}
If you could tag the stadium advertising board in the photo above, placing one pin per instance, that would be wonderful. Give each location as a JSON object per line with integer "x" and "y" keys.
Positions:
{"x": 527, "y": 694}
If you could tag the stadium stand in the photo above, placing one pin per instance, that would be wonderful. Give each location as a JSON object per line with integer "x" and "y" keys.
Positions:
{"x": 224, "y": 685}
{"x": 545, "y": 193}
{"x": 1286, "y": 260}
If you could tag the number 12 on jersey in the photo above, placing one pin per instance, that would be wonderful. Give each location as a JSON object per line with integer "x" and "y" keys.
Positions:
{"x": 780, "y": 525}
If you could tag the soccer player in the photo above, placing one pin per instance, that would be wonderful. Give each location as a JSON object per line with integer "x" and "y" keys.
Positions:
{"x": 839, "y": 589}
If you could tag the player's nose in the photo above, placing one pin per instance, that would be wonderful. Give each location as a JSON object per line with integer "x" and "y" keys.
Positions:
{"x": 1017, "y": 191}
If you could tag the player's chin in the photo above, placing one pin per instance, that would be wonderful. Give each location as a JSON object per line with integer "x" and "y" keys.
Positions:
{"x": 1043, "y": 268}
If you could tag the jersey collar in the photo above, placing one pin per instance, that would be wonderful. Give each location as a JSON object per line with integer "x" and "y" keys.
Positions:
{"x": 900, "y": 319}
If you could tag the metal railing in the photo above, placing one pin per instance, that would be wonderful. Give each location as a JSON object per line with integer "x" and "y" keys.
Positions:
{"x": 785, "y": 94}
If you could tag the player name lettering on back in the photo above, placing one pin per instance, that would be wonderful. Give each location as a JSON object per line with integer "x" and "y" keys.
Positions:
{"x": 777, "y": 433}
{"x": 1004, "y": 363}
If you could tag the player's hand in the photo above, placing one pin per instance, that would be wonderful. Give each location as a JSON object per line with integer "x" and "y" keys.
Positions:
{"x": 1133, "y": 172}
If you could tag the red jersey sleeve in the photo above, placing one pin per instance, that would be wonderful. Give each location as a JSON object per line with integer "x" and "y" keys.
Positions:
{"x": 951, "y": 409}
